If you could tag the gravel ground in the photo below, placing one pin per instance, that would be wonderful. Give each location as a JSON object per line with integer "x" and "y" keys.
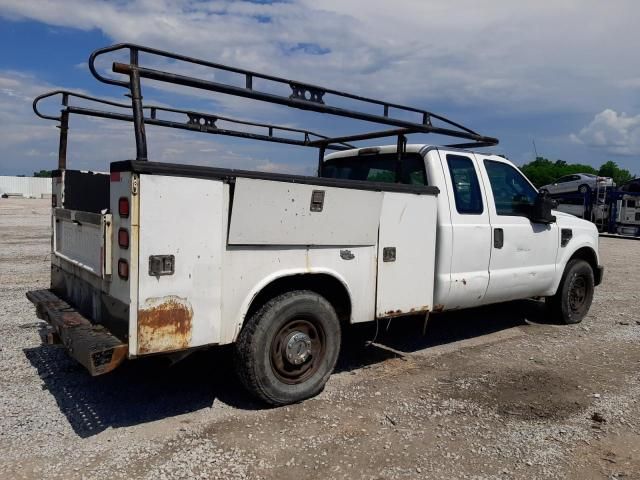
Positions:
{"x": 489, "y": 393}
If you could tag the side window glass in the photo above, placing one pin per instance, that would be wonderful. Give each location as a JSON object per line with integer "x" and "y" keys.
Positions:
{"x": 466, "y": 188}
{"x": 512, "y": 194}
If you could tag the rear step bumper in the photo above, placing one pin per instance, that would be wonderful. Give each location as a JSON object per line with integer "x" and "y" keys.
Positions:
{"x": 91, "y": 345}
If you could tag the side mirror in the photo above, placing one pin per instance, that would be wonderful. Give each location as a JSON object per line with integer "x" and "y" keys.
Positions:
{"x": 541, "y": 210}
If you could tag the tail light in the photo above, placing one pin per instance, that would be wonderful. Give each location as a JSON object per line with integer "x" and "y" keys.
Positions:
{"x": 123, "y": 238}
{"x": 123, "y": 207}
{"x": 123, "y": 269}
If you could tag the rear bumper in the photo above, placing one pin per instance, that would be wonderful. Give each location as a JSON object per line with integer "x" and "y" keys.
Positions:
{"x": 598, "y": 274}
{"x": 92, "y": 345}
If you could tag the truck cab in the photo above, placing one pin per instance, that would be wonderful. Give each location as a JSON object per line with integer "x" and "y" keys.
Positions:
{"x": 489, "y": 247}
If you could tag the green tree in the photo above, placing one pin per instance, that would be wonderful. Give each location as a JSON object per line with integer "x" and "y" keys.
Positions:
{"x": 543, "y": 171}
{"x": 43, "y": 173}
{"x": 619, "y": 175}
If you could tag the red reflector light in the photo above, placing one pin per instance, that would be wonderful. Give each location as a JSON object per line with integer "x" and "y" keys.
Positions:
{"x": 123, "y": 238}
{"x": 123, "y": 207}
{"x": 123, "y": 269}
{"x": 115, "y": 176}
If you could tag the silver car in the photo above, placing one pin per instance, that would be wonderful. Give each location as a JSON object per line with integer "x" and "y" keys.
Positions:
{"x": 578, "y": 182}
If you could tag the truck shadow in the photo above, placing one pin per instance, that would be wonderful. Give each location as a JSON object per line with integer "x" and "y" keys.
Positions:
{"x": 148, "y": 389}
{"x": 368, "y": 343}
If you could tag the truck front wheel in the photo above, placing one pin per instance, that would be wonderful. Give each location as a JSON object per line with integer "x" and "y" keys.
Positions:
{"x": 287, "y": 350}
{"x": 572, "y": 301}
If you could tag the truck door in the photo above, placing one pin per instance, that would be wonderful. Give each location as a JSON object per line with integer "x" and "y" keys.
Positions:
{"x": 523, "y": 253}
{"x": 471, "y": 239}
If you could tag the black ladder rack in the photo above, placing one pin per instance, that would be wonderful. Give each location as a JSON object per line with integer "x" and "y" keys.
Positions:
{"x": 193, "y": 121}
{"x": 303, "y": 96}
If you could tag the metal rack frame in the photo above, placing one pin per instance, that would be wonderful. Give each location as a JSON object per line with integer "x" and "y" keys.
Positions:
{"x": 194, "y": 121}
{"x": 303, "y": 96}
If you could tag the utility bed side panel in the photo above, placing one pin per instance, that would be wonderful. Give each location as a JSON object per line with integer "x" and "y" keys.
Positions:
{"x": 248, "y": 269}
{"x": 182, "y": 217}
{"x": 277, "y": 213}
{"x": 406, "y": 255}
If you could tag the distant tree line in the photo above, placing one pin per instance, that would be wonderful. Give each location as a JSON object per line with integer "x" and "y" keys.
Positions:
{"x": 543, "y": 171}
{"x": 43, "y": 174}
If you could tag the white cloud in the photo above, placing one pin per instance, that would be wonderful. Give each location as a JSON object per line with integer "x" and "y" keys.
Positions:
{"x": 613, "y": 132}
{"x": 499, "y": 53}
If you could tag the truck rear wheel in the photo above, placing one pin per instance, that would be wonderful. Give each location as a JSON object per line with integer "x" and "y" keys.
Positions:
{"x": 572, "y": 301}
{"x": 287, "y": 350}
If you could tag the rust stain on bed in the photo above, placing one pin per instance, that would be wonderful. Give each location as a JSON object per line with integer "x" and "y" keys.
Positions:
{"x": 398, "y": 313}
{"x": 164, "y": 324}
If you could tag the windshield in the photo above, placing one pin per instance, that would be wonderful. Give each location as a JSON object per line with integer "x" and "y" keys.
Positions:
{"x": 377, "y": 168}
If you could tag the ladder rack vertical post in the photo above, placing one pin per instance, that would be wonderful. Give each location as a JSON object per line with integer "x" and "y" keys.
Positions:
{"x": 321, "y": 151}
{"x": 136, "y": 104}
{"x": 62, "y": 146}
{"x": 400, "y": 150}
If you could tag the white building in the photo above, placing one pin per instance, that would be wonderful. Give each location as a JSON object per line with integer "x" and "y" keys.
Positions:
{"x": 31, "y": 187}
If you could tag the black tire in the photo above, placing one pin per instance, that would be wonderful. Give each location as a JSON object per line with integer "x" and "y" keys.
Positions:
{"x": 287, "y": 350}
{"x": 573, "y": 299}
{"x": 583, "y": 188}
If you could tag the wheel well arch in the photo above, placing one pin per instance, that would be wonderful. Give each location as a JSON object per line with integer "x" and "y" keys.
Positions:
{"x": 587, "y": 254}
{"x": 325, "y": 284}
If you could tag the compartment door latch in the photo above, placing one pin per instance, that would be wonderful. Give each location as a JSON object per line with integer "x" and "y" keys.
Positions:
{"x": 161, "y": 265}
{"x": 317, "y": 200}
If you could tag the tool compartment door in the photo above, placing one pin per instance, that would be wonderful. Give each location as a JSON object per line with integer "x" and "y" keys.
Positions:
{"x": 406, "y": 254}
{"x": 266, "y": 212}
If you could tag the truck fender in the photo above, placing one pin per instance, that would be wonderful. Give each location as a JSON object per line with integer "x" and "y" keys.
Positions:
{"x": 585, "y": 250}
{"x": 268, "y": 280}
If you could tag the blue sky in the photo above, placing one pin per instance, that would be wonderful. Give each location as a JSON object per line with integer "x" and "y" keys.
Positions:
{"x": 562, "y": 74}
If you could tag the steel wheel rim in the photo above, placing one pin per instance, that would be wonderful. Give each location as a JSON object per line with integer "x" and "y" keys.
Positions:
{"x": 290, "y": 339}
{"x": 577, "y": 293}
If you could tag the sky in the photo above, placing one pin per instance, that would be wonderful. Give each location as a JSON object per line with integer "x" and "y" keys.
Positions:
{"x": 562, "y": 74}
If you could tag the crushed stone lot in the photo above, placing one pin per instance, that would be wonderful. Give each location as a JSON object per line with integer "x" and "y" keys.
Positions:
{"x": 490, "y": 393}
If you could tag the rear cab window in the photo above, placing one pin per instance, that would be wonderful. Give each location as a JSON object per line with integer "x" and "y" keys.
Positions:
{"x": 377, "y": 168}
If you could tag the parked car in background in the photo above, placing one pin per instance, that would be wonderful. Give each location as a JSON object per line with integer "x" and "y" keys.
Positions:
{"x": 579, "y": 182}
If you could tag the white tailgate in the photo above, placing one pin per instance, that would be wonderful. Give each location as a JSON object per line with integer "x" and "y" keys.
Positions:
{"x": 408, "y": 224}
{"x": 266, "y": 212}
{"x": 83, "y": 239}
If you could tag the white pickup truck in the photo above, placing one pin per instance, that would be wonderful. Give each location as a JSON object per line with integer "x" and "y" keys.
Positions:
{"x": 156, "y": 258}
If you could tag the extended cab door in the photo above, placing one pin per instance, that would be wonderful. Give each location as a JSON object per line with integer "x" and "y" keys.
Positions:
{"x": 523, "y": 253}
{"x": 470, "y": 244}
